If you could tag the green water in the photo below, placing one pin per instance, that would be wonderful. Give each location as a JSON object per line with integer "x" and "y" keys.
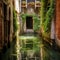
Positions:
{"x": 30, "y": 47}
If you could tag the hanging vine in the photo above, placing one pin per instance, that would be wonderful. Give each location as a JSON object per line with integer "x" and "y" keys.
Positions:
{"x": 35, "y": 18}
{"x": 49, "y": 16}
{"x": 47, "y": 13}
{"x": 15, "y": 25}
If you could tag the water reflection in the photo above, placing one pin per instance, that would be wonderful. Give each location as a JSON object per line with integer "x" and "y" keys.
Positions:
{"x": 30, "y": 47}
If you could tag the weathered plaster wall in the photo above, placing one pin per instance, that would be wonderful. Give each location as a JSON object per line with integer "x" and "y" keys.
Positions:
{"x": 17, "y": 5}
{"x": 17, "y": 9}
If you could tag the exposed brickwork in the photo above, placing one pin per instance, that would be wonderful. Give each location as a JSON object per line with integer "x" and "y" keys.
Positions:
{"x": 58, "y": 19}
{"x": 58, "y": 22}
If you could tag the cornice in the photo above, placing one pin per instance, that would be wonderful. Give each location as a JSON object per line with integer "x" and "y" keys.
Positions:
{"x": 6, "y": 2}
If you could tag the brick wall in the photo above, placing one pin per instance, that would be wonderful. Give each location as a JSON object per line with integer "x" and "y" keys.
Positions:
{"x": 58, "y": 18}
{"x": 58, "y": 21}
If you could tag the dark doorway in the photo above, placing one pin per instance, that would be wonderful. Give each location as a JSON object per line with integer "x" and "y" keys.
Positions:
{"x": 5, "y": 27}
{"x": 9, "y": 27}
{"x": 29, "y": 22}
{"x": 5, "y": 22}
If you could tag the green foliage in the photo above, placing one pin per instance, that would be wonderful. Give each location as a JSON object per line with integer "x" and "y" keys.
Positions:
{"x": 23, "y": 17}
{"x": 49, "y": 16}
{"x": 35, "y": 18}
{"x": 43, "y": 10}
{"x": 36, "y": 23}
{"x": 47, "y": 13}
{"x": 31, "y": 44}
{"x": 15, "y": 25}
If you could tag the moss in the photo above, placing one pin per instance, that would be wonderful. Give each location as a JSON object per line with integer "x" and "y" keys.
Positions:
{"x": 15, "y": 25}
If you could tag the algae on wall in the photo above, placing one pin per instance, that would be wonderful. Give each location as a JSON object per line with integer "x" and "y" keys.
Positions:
{"x": 15, "y": 25}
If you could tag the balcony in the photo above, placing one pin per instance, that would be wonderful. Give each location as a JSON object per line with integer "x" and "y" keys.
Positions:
{"x": 23, "y": 4}
{"x": 30, "y": 4}
{"x": 38, "y": 4}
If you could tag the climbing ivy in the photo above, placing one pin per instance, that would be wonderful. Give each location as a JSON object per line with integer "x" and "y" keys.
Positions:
{"x": 35, "y": 18}
{"x": 36, "y": 23}
{"x": 47, "y": 13}
{"x": 15, "y": 25}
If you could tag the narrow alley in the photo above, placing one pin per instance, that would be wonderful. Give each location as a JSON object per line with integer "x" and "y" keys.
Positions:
{"x": 29, "y": 30}
{"x": 30, "y": 47}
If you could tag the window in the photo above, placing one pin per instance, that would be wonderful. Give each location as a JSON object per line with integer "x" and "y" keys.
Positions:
{"x": 29, "y": 22}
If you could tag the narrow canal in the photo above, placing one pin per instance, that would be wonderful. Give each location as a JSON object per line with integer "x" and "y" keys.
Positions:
{"x": 30, "y": 47}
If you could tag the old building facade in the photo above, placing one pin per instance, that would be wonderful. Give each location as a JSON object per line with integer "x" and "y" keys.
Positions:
{"x": 57, "y": 22}
{"x": 29, "y": 8}
{"x": 22, "y": 7}
{"x": 6, "y": 21}
{"x": 17, "y": 10}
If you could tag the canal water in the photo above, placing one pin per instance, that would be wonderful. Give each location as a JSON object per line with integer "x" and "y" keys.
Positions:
{"x": 30, "y": 47}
